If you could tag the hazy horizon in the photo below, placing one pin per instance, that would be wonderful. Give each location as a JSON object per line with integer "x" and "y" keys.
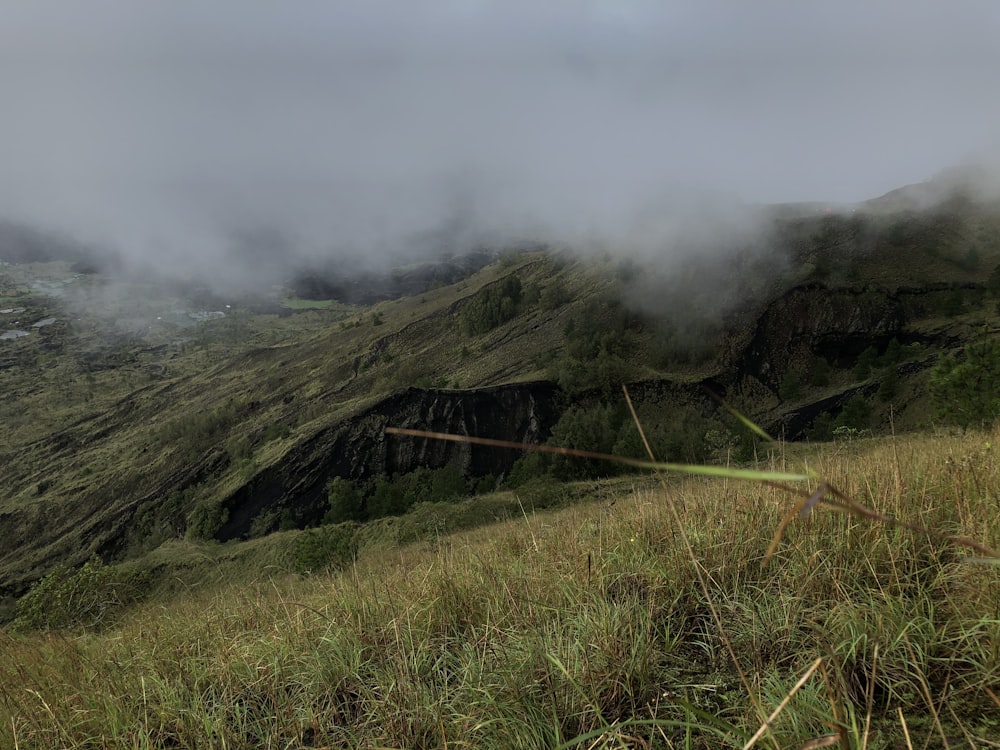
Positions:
{"x": 224, "y": 135}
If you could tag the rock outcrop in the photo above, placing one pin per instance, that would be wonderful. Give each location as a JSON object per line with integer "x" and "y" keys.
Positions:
{"x": 359, "y": 449}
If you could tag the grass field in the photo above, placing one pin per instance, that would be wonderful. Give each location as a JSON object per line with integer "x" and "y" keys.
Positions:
{"x": 584, "y": 626}
{"x": 293, "y": 303}
{"x": 608, "y": 613}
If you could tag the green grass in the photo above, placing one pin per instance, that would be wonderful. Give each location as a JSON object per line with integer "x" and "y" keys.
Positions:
{"x": 545, "y": 628}
{"x": 84, "y": 408}
{"x": 293, "y": 303}
{"x": 580, "y": 627}
{"x": 85, "y": 405}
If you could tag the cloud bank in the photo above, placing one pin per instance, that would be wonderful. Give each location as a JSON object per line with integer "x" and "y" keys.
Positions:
{"x": 239, "y": 136}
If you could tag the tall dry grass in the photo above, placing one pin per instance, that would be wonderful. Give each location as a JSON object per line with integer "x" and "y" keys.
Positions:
{"x": 582, "y": 627}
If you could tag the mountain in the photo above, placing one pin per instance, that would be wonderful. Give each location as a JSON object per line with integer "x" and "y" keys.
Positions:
{"x": 142, "y": 413}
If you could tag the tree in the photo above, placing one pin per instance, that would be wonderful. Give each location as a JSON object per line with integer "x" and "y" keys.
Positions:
{"x": 972, "y": 259}
{"x": 593, "y": 429}
{"x": 855, "y": 414}
{"x": 821, "y": 373}
{"x": 555, "y": 294}
{"x": 993, "y": 283}
{"x": 346, "y": 501}
{"x": 790, "y": 386}
{"x": 893, "y": 353}
{"x": 447, "y": 484}
{"x": 387, "y": 499}
{"x": 491, "y": 306}
{"x": 964, "y": 386}
{"x": 890, "y": 385}
{"x": 675, "y": 433}
{"x": 863, "y": 368}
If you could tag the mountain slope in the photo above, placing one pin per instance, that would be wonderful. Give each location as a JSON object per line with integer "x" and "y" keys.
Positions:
{"x": 115, "y": 442}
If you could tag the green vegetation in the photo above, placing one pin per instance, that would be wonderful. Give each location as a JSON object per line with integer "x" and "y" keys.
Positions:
{"x": 791, "y": 386}
{"x": 142, "y": 434}
{"x": 889, "y": 386}
{"x": 206, "y": 518}
{"x": 88, "y": 597}
{"x": 866, "y": 361}
{"x": 580, "y": 626}
{"x": 491, "y": 306}
{"x": 324, "y": 549}
{"x": 294, "y": 303}
{"x": 964, "y": 387}
{"x": 853, "y": 420}
{"x": 555, "y": 294}
{"x": 599, "y": 339}
{"x": 677, "y": 433}
{"x": 392, "y": 496}
{"x": 821, "y": 373}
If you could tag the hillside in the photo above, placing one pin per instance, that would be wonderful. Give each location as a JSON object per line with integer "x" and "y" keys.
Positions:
{"x": 584, "y": 626}
{"x": 143, "y": 414}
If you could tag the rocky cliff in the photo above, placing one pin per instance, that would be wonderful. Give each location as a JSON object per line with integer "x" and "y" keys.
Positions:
{"x": 359, "y": 449}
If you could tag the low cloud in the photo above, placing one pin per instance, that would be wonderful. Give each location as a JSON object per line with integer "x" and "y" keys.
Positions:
{"x": 230, "y": 139}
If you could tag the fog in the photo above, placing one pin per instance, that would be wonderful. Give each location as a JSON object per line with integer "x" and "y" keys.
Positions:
{"x": 231, "y": 138}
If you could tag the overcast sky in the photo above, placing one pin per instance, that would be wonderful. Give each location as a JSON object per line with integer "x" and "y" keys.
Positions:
{"x": 174, "y": 128}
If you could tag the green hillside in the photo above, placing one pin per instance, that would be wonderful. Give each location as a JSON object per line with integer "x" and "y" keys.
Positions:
{"x": 583, "y": 626}
{"x": 141, "y": 415}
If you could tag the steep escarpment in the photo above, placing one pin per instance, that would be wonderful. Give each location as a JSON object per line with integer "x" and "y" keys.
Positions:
{"x": 359, "y": 449}
{"x": 812, "y": 322}
{"x": 112, "y": 446}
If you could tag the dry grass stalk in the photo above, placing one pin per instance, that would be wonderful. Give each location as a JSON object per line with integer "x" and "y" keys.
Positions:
{"x": 765, "y": 727}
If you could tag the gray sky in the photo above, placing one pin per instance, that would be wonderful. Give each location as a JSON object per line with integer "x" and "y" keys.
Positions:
{"x": 352, "y": 126}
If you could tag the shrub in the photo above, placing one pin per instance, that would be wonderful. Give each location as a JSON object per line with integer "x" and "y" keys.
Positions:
{"x": 954, "y": 304}
{"x": 387, "y": 499}
{"x": 346, "y": 501}
{"x": 206, "y": 518}
{"x": 993, "y": 283}
{"x": 822, "y": 427}
{"x": 790, "y": 387}
{"x": 890, "y": 385}
{"x": 491, "y": 306}
{"x": 324, "y": 549}
{"x": 972, "y": 260}
{"x": 863, "y": 367}
{"x": 525, "y": 469}
{"x": 486, "y": 485}
{"x": 894, "y": 353}
{"x": 602, "y": 325}
{"x": 544, "y": 492}
{"x": 855, "y": 414}
{"x": 964, "y": 387}
{"x": 821, "y": 373}
{"x": 447, "y": 485}
{"x": 424, "y": 485}
{"x": 593, "y": 428}
{"x": 90, "y": 596}
{"x": 675, "y": 434}
{"x": 555, "y": 295}
{"x": 601, "y": 339}
{"x": 193, "y": 434}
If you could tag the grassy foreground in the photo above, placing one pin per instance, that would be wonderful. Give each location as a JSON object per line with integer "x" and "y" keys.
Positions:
{"x": 583, "y": 627}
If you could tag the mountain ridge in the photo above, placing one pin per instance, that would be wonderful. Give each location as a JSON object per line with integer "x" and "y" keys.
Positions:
{"x": 115, "y": 459}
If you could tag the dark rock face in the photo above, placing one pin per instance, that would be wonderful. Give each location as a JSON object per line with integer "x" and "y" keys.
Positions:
{"x": 359, "y": 449}
{"x": 813, "y": 321}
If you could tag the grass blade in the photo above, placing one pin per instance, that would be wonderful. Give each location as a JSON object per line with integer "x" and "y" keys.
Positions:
{"x": 753, "y": 475}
